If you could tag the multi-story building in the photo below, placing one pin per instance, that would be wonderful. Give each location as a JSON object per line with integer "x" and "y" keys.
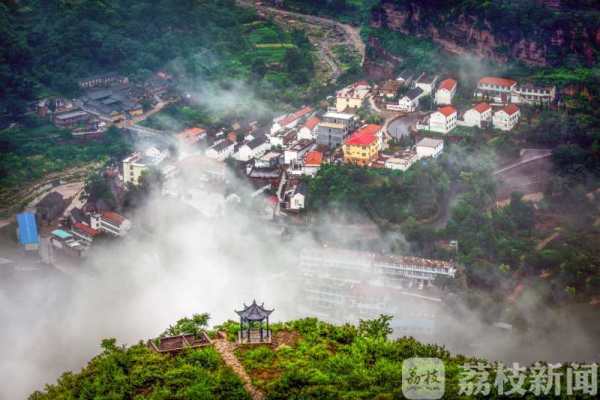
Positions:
{"x": 363, "y": 146}
{"x": 534, "y": 95}
{"x": 426, "y": 83}
{"x": 506, "y": 118}
{"x": 334, "y": 127}
{"x": 479, "y": 116}
{"x": 402, "y": 161}
{"x": 429, "y": 147}
{"x": 409, "y": 102}
{"x": 352, "y": 96}
{"x": 110, "y": 222}
{"x": 221, "y": 150}
{"x": 290, "y": 120}
{"x": 252, "y": 149}
{"x": 495, "y": 90}
{"x": 446, "y": 91}
{"x": 138, "y": 162}
{"x": 71, "y": 119}
{"x": 443, "y": 120}
{"x": 296, "y": 152}
{"x": 108, "y": 79}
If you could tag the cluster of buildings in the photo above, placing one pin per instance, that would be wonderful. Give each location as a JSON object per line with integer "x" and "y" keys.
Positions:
{"x": 107, "y": 99}
{"x": 497, "y": 107}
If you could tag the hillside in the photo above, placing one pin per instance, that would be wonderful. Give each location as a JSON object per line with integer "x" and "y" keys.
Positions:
{"x": 308, "y": 359}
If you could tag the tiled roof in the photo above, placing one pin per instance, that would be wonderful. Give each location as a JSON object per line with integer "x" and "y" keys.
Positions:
{"x": 448, "y": 84}
{"x": 510, "y": 109}
{"x": 113, "y": 217}
{"x": 489, "y": 80}
{"x": 482, "y": 107}
{"x": 313, "y": 158}
{"x": 292, "y": 117}
{"x": 364, "y": 136}
{"x": 312, "y": 122}
{"x": 447, "y": 110}
{"x": 85, "y": 229}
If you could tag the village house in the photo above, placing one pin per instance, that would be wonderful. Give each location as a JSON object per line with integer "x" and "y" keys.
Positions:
{"x": 108, "y": 79}
{"x": 334, "y": 127}
{"x": 296, "y": 197}
{"x": 409, "y": 102}
{"x": 309, "y": 130}
{"x": 138, "y": 162}
{"x": 312, "y": 162}
{"x": 402, "y": 160}
{"x": 83, "y": 232}
{"x": 296, "y": 152}
{"x": 268, "y": 160}
{"x": 72, "y": 118}
{"x": 363, "y": 146}
{"x": 253, "y": 149}
{"x": 283, "y": 138}
{"x": 110, "y": 222}
{"x": 479, "y": 116}
{"x": 506, "y": 118}
{"x": 495, "y": 90}
{"x": 390, "y": 89}
{"x": 220, "y": 150}
{"x": 443, "y": 120}
{"x": 64, "y": 243}
{"x": 446, "y": 91}
{"x": 352, "y": 97}
{"x": 426, "y": 83}
{"x": 429, "y": 147}
{"x": 112, "y": 105}
{"x": 534, "y": 95}
{"x": 191, "y": 136}
{"x": 27, "y": 231}
{"x": 290, "y": 120}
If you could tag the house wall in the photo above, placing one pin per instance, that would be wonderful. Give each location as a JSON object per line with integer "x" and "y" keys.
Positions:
{"x": 424, "y": 151}
{"x": 505, "y": 122}
{"x": 361, "y": 155}
{"x": 438, "y": 122}
{"x": 444, "y": 96}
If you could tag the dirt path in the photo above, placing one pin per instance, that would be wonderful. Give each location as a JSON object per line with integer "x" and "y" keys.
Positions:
{"x": 324, "y": 43}
{"x": 226, "y": 349}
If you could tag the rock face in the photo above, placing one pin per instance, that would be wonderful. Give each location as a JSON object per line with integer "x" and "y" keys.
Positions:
{"x": 541, "y": 43}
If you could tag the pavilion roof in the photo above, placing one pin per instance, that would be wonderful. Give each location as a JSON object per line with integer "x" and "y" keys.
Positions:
{"x": 254, "y": 312}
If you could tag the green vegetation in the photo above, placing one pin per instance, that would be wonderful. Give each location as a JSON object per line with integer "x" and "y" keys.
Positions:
{"x": 136, "y": 372}
{"x": 34, "y": 149}
{"x": 314, "y": 360}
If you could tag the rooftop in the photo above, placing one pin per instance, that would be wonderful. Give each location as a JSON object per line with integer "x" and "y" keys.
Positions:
{"x": 254, "y": 312}
{"x": 288, "y": 119}
{"x": 28, "y": 233}
{"x": 364, "y": 136}
{"x": 447, "y": 110}
{"x": 510, "y": 109}
{"x": 61, "y": 234}
{"x": 113, "y": 217}
{"x": 313, "y": 158}
{"x": 414, "y": 93}
{"x": 482, "y": 107}
{"x": 448, "y": 84}
{"x": 430, "y": 142}
{"x": 338, "y": 115}
{"x": 503, "y": 82}
{"x": 312, "y": 122}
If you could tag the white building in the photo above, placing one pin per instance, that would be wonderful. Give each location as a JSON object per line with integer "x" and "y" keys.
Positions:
{"x": 352, "y": 96}
{"x": 268, "y": 160}
{"x": 253, "y": 149}
{"x": 110, "y": 222}
{"x": 138, "y": 162}
{"x": 296, "y": 152}
{"x": 479, "y": 116}
{"x": 446, "y": 91}
{"x": 409, "y": 102}
{"x": 495, "y": 90}
{"x": 297, "y": 197}
{"x": 290, "y": 120}
{"x": 429, "y": 147}
{"x": 534, "y": 95}
{"x": 426, "y": 83}
{"x": 443, "y": 120}
{"x": 312, "y": 162}
{"x": 402, "y": 161}
{"x": 220, "y": 150}
{"x": 309, "y": 130}
{"x": 506, "y": 118}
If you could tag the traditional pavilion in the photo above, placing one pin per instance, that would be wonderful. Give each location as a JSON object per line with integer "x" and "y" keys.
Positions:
{"x": 251, "y": 324}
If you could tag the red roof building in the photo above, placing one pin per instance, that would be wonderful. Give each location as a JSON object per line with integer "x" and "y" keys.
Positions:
{"x": 113, "y": 217}
{"x": 482, "y": 107}
{"x": 312, "y": 123}
{"x": 313, "y": 158}
{"x": 448, "y": 84}
{"x": 289, "y": 119}
{"x": 511, "y": 109}
{"x": 86, "y": 229}
{"x": 364, "y": 136}
{"x": 447, "y": 110}
{"x": 191, "y": 135}
{"x": 502, "y": 82}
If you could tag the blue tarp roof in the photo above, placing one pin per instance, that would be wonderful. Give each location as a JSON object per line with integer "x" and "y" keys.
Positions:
{"x": 61, "y": 234}
{"x": 28, "y": 233}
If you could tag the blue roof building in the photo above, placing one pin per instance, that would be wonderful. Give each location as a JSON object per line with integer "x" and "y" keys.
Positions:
{"x": 28, "y": 232}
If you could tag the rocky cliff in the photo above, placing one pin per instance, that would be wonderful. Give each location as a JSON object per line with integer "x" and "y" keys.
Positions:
{"x": 539, "y": 35}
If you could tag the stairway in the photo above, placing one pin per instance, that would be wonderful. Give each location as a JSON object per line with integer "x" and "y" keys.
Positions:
{"x": 226, "y": 349}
